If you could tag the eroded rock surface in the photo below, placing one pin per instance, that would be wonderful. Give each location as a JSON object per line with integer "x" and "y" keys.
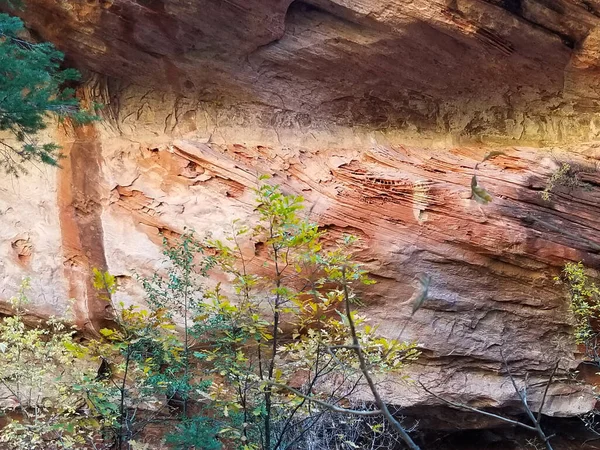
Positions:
{"x": 377, "y": 113}
{"x": 485, "y": 70}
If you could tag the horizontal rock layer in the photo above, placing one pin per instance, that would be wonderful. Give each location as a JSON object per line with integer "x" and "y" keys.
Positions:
{"x": 472, "y": 70}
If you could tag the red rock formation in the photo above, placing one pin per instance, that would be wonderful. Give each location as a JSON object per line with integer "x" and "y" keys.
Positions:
{"x": 79, "y": 194}
{"x": 377, "y": 112}
{"x": 493, "y": 70}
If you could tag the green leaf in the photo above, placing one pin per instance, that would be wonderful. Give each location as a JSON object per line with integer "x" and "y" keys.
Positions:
{"x": 104, "y": 281}
{"x": 479, "y": 194}
{"x": 32, "y": 86}
{"x": 421, "y": 293}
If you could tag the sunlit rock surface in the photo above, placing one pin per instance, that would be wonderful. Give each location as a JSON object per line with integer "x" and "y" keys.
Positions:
{"x": 377, "y": 112}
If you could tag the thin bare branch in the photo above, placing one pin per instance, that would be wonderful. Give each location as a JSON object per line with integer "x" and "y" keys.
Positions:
{"x": 478, "y": 411}
{"x": 523, "y": 396}
{"x": 364, "y": 367}
{"x": 329, "y": 406}
{"x": 539, "y": 415}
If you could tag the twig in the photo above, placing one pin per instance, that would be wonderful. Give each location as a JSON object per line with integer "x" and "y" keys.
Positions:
{"x": 479, "y": 411}
{"x": 329, "y": 406}
{"x": 539, "y": 416}
{"x": 364, "y": 368}
{"x": 523, "y": 397}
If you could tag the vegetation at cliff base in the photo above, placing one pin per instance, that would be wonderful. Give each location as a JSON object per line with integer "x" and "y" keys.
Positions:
{"x": 271, "y": 363}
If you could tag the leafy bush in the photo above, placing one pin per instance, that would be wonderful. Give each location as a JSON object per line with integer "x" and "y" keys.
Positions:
{"x": 283, "y": 382}
{"x": 39, "y": 380}
{"x": 261, "y": 367}
{"x": 584, "y": 304}
{"x": 142, "y": 366}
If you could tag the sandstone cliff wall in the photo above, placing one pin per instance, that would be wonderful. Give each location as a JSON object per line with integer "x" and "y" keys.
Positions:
{"x": 376, "y": 112}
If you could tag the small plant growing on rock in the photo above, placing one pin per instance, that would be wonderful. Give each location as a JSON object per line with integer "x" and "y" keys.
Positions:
{"x": 567, "y": 175}
{"x": 585, "y": 306}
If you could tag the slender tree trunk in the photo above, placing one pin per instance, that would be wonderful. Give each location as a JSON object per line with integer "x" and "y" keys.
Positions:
{"x": 122, "y": 408}
{"x": 271, "y": 368}
{"x": 186, "y": 349}
{"x": 365, "y": 371}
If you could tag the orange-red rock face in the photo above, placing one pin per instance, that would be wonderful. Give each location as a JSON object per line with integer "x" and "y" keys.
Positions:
{"x": 377, "y": 113}
{"x": 493, "y": 70}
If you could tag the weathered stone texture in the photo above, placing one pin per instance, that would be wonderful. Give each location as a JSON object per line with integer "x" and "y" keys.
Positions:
{"x": 377, "y": 113}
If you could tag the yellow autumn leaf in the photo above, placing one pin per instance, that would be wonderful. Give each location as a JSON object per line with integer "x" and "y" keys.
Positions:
{"x": 479, "y": 194}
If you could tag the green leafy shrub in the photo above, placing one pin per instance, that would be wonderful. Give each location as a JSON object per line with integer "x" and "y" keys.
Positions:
{"x": 142, "y": 359}
{"x": 38, "y": 380}
{"x": 585, "y": 301}
{"x": 257, "y": 367}
{"x": 282, "y": 382}
{"x": 197, "y": 432}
